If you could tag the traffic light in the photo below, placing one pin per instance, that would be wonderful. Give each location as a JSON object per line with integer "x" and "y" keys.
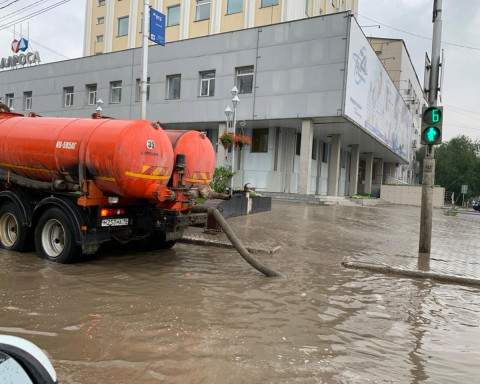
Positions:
{"x": 431, "y": 125}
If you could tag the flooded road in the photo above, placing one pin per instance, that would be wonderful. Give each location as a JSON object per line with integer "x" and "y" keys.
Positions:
{"x": 197, "y": 314}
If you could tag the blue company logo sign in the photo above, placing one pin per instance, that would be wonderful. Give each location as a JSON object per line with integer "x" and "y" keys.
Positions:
{"x": 360, "y": 60}
{"x": 157, "y": 27}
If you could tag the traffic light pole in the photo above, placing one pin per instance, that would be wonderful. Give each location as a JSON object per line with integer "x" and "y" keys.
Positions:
{"x": 428, "y": 181}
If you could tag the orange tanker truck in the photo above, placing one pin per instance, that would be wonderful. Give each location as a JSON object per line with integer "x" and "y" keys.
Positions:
{"x": 68, "y": 185}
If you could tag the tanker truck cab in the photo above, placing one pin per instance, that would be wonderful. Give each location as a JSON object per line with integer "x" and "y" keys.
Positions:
{"x": 65, "y": 201}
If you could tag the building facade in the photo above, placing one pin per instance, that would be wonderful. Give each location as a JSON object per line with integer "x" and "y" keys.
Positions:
{"x": 113, "y": 25}
{"x": 397, "y": 62}
{"x": 323, "y": 115}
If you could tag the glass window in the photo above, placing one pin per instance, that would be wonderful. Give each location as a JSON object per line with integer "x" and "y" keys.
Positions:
{"x": 298, "y": 143}
{"x": 138, "y": 92}
{"x": 100, "y": 20}
{"x": 203, "y": 10}
{"x": 268, "y": 3}
{"x": 314, "y": 149}
{"x": 67, "y": 96}
{"x": 234, "y": 6}
{"x": 307, "y": 7}
{"x": 101, "y": 3}
{"x": 173, "y": 87}
{"x": 207, "y": 83}
{"x": 9, "y": 100}
{"x": 173, "y": 15}
{"x": 92, "y": 94}
{"x": 260, "y": 140}
{"x": 99, "y": 38}
{"x": 115, "y": 92}
{"x": 122, "y": 27}
{"x": 27, "y": 101}
{"x": 324, "y": 153}
{"x": 244, "y": 79}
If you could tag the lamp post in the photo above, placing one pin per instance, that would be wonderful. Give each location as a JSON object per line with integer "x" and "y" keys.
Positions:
{"x": 228, "y": 112}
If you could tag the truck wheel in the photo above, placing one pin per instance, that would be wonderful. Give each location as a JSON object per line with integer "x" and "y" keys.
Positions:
{"x": 13, "y": 235}
{"x": 54, "y": 238}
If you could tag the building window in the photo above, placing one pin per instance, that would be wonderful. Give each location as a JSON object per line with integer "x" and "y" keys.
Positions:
{"x": 9, "y": 100}
{"x": 260, "y": 140}
{"x": 268, "y": 3}
{"x": 173, "y": 15}
{"x": 138, "y": 92}
{"x": 314, "y": 149}
{"x": 101, "y": 3}
{"x": 324, "y": 153}
{"x": 99, "y": 38}
{"x": 298, "y": 143}
{"x": 244, "y": 79}
{"x": 100, "y": 20}
{"x": 202, "y": 11}
{"x": 173, "y": 87}
{"x": 27, "y": 101}
{"x": 115, "y": 92}
{"x": 92, "y": 94}
{"x": 207, "y": 83}
{"x": 67, "y": 96}
{"x": 234, "y": 6}
{"x": 122, "y": 27}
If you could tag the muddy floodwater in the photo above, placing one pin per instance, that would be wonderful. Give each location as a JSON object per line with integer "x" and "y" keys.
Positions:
{"x": 197, "y": 314}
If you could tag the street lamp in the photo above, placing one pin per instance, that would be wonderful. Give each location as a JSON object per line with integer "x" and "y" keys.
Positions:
{"x": 228, "y": 112}
{"x": 99, "y": 103}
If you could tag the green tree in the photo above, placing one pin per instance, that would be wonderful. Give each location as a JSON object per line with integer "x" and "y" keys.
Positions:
{"x": 457, "y": 163}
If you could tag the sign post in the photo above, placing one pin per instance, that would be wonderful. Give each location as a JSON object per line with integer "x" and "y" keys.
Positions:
{"x": 431, "y": 133}
{"x": 156, "y": 33}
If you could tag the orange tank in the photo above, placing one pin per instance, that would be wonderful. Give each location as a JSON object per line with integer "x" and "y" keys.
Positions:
{"x": 124, "y": 157}
{"x": 200, "y": 156}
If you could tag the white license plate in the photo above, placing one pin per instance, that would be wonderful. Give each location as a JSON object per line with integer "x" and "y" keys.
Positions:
{"x": 114, "y": 222}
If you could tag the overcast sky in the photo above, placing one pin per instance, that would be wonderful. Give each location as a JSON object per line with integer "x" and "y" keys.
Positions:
{"x": 58, "y": 35}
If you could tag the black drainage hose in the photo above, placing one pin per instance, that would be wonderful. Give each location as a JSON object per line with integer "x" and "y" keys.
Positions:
{"x": 239, "y": 246}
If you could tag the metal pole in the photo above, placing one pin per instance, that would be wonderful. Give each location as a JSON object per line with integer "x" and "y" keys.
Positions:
{"x": 144, "y": 66}
{"x": 233, "y": 146}
{"x": 429, "y": 161}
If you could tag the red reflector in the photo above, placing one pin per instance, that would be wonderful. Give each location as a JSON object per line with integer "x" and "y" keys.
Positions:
{"x": 112, "y": 212}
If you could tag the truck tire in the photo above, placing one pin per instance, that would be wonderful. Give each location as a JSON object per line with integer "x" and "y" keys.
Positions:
{"x": 13, "y": 235}
{"x": 54, "y": 237}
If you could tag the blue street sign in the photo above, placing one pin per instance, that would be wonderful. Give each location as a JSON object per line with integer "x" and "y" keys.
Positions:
{"x": 157, "y": 27}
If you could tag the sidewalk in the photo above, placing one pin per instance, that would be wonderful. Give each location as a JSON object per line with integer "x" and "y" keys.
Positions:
{"x": 383, "y": 238}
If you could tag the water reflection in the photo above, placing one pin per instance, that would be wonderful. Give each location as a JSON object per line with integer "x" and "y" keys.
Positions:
{"x": 202, "y": 315}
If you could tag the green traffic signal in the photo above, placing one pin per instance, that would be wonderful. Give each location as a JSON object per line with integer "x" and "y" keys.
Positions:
{"x": 431, "y": 125}
{"x": 431, "y": 135}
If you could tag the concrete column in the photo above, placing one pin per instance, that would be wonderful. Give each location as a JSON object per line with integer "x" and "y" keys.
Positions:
{"x": 216, "y": 16}
{"x": 132, "y": 24}
{"x": 334, "y": 166}
{"x": 368, "y": 172}
{"x": 354, "y": 163}
{"x": 249, "y": 14}
{"x": 87, "y": 37}
{"x": 109, "y": 25}
{"x": 221, "y": 160}
{"x": 184, "y": 19}
{"x": 305, "y": 157}
{"x": 378, "y": 176}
